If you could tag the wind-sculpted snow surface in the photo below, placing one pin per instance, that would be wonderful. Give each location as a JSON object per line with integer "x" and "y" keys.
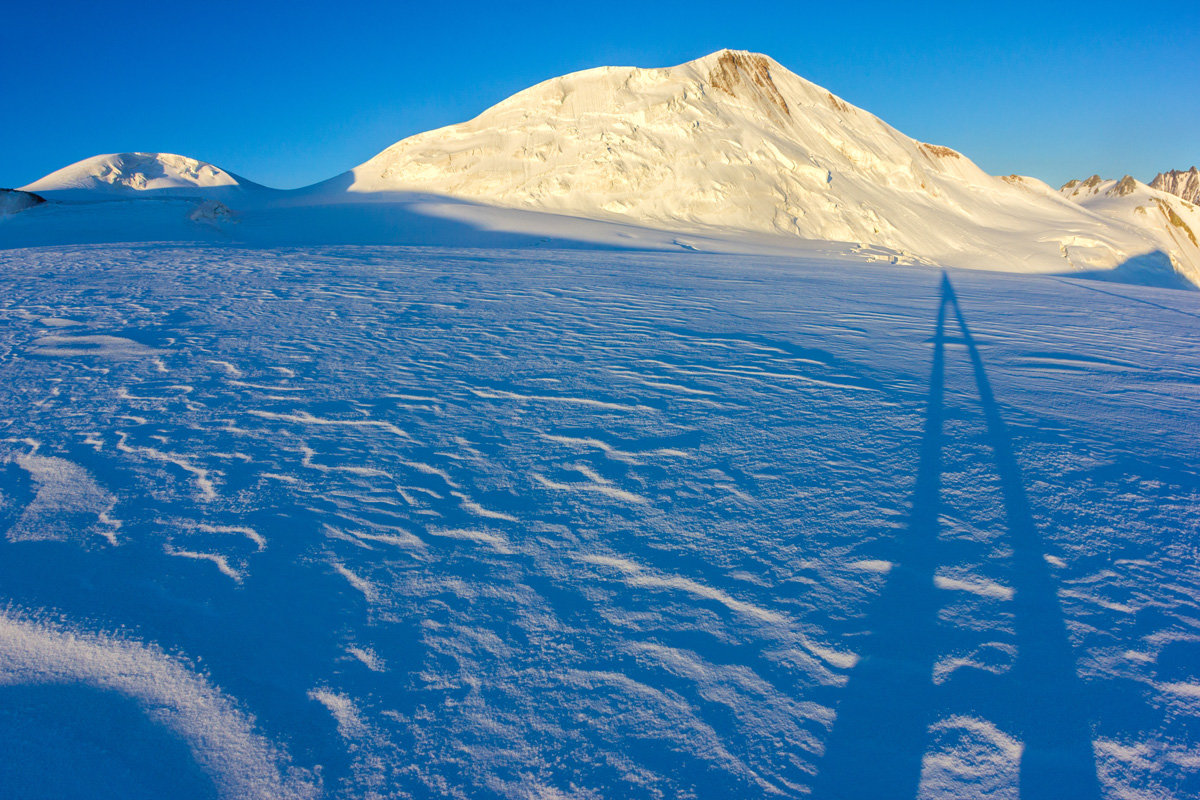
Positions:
{"x": 392, "y": 522}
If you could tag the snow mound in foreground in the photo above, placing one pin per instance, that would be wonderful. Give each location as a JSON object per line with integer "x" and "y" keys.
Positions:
{"x": 239, "y": 762}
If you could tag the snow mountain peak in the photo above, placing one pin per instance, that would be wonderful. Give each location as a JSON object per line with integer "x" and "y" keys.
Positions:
{"x": 735, "y": 142}
{"x": 730, "y": 140}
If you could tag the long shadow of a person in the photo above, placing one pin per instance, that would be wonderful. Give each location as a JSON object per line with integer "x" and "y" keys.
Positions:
{"x": 880, "y": 735}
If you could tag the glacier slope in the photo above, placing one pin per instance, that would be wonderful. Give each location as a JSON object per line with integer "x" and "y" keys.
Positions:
{"x": 412, "y": 522}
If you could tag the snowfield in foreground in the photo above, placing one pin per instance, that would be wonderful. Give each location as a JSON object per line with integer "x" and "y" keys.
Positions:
{"x": 357, "y": 522}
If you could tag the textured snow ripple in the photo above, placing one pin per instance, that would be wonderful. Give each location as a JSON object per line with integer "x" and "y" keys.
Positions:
{"x": 616, "y": 548}
{"x": 970, "y": 757}
{"x": 636, "y": 575}
{"x": 98, "y": 346}
{"x": 199, "y": 474}
{"x": 304, "y": 418}
{"x": 218, "y": 560}
{"x": 349, "y": 722}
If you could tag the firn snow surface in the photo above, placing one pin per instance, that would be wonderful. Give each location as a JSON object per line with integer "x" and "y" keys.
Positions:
{"x": 391, "y": 522}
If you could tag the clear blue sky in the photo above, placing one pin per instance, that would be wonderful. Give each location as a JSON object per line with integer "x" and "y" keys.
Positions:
{"x": 291, "y": 93}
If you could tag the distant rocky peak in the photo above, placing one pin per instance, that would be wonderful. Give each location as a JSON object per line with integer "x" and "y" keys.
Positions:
{"x": 1181, "y": 183}
{"x": 1076, "y": 187}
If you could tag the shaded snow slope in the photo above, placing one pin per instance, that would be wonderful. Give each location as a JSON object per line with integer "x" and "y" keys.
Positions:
{"x": 1173, "y": 223}
{"x": 1181, "y": 183}
{"x": 14, "y": 200}
{"x": 734, "y": 141}
{"x": 130, "y": 174}
{"x": 436, "y": 523}
{"x": 394, "y": 218}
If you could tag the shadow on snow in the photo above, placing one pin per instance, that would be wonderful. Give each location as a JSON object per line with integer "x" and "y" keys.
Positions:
{"x": 880, "y": 735}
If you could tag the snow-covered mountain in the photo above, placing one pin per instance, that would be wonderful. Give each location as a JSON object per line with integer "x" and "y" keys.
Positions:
{"x": 1181, "y": 183}
{"x": 1174, "y": 223}
{"x": 729, "y": 148}
{"x": 736, "y": 141}
{"x": 130, "y": 174}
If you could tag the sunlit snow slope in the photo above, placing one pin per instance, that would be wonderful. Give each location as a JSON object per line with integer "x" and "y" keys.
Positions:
{"x": 1172, "y": 221}
{"x": 358, "y": 523}
{"x": 734, "y": 141}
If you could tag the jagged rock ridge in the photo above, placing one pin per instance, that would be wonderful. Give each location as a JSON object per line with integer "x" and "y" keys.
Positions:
{"x": 1181, "y": 183}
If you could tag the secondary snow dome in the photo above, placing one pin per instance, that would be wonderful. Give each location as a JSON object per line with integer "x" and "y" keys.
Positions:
{"x": 123, "y": 174}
